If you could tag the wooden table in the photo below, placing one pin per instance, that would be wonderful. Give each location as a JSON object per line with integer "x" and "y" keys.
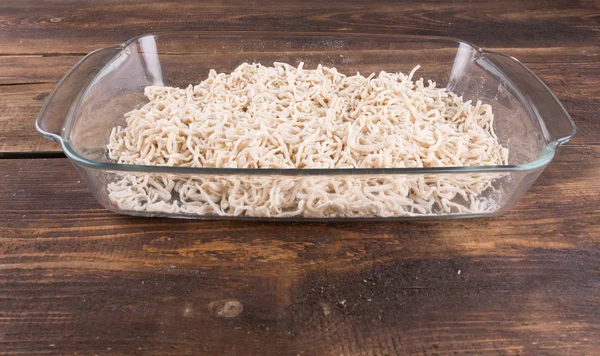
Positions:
{"x": 77, "y": 279}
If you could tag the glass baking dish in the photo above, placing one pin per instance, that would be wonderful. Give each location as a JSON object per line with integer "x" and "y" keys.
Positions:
{"x": 95, "y": 94}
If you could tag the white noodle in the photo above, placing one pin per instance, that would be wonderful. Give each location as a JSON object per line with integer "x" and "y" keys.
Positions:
{"x": 288, "y": 117}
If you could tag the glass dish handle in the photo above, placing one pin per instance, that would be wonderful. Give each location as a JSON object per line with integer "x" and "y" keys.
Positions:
{"x": 555, "y": 120}
{"x": 61, "y": 102}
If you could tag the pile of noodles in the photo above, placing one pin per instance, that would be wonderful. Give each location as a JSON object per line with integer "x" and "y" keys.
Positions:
{"x": 291, "y": 117}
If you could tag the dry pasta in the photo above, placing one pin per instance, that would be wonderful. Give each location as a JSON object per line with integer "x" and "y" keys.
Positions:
{"x": 290, "y": 117}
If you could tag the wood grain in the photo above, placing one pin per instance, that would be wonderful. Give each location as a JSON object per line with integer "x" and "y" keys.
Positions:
{"x": 523, "y": 283}
{"x": 19, "y": 107}
{"x": 35, "y": 69}
{"x": 30, "y": 26}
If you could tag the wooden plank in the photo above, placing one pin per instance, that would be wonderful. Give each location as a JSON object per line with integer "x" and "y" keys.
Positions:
{"x": 36, "y": 69}
{"x": 75, "y": 278}
{"x": 60, "y": 26}
{"x": 573, "y": 84}
{"x": 19, "y": 107}
{"x": 25, "y": 82}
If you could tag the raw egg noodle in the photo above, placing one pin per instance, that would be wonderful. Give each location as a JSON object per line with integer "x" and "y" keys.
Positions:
{"x": 290, "y": 117}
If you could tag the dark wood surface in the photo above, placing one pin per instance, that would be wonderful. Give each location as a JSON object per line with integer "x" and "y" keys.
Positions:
{"x": 77, "y": 279}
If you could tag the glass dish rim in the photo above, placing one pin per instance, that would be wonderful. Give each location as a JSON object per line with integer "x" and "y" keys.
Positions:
{"x": 71, "y": 153}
